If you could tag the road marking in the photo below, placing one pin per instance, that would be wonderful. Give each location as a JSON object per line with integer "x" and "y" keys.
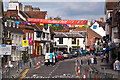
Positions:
{"x": 24, "y": 74}
{"x": 37, "y": 67}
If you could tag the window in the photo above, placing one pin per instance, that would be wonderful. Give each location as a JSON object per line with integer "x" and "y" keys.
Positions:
{"x": 60, "y": 40}
{"x": 73, "y": 40}
{"x": 32, "y": 35}
{"x": 26, "y": 35}
{"x": 29, "y": 35}
{"x": 19, "y": 38}
{"x": 14, "y": 24}
{"x": 12, "y": 37}
{"x": 16, "y": 37}
{"x": 43, "y": 35}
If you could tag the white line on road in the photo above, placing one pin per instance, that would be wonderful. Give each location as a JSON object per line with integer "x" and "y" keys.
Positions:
{"x": 53, "y": 71}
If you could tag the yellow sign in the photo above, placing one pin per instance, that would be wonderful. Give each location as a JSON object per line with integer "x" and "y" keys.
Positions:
{"x": 25, "y": 43}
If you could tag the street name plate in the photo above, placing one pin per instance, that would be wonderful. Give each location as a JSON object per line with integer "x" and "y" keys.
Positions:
{"x": 5, "y": 49}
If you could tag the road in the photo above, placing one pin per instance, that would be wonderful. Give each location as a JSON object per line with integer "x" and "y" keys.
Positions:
{"x": 62, "y": 69}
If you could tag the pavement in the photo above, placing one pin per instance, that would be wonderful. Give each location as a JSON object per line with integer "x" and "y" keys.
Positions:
{"x": 104, "y": 67}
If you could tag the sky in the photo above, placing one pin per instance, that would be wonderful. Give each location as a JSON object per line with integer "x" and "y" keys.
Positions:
{"x": 71, "y": 10}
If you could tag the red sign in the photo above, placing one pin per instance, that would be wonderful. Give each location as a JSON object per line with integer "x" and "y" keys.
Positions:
{"x": 52, "y": 21}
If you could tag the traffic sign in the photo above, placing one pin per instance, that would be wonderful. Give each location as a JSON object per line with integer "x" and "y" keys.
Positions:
{"x": 25, "y": 43}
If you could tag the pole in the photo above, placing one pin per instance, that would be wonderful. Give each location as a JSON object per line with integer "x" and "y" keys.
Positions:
{"x": 30, "y": 56}
{"x": 1, "y": 30}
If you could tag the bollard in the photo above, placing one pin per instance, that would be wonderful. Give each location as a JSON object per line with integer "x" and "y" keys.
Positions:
{"x": 84, "y": 77}
{"x": 79, "y": 70}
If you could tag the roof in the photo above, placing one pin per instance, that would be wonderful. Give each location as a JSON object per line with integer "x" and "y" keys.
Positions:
{"x": 74, "y": 35}
{"x": 111, "y": 5}
{"x": 14, "y": 30}
{"x": 36, "y": 14}
{"x": 68, "y": 35}
{"x": 89, "y": 31}
{"x": 58, "y": 35}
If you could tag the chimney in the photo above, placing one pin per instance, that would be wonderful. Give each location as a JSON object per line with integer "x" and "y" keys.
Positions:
{"x": 36, "y": 9}
{"x": 28, "y": 8}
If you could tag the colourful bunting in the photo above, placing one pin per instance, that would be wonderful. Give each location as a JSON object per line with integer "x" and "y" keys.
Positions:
{"x": 41, "y": 24}
{"x": 34, "y": 23}
{"x": 76, "y": 25}
{"x": 80, "y": 25}
{"x": 86, "y": 26}
{"x": 65, "y": 25}
{"x": 88, "y": 20}
{"x": 15, "y": 17}
{"x": 9, "y": 21}
{"x": 18, "y": 18}
{"x": 17, "y": 22}
{"x": 72, "y": 25}
{"x": 56, "y": 24}
{"x": 12, "y": 17}
{"x": 49, "y": 24}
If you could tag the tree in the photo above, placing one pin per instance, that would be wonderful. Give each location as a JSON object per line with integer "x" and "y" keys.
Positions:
{"x": 56, "y": 28}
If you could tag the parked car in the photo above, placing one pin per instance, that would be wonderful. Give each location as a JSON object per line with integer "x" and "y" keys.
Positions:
{"x": 59, "y": 55}
{"x": 83, "y": 52}
{"x": 67, "y": 55}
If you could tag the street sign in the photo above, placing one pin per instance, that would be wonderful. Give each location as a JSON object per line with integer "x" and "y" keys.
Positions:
{"x": 8, "y": 42}
{"x": 5, "y": 49}
{"x": 21, "y": 49}
{"x": 25, "y": 43}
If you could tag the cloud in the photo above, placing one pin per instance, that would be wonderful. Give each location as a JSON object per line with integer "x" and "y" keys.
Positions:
{"x": 76, "y": 10}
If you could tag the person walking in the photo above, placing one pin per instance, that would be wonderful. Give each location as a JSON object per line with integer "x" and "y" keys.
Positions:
{"x": 107, "y": 58}
{"x": 102, "y": 57}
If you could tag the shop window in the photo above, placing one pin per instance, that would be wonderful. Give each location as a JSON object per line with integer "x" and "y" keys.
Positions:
{"x": 73, "y": 40}
{"x": 60, "y": 40}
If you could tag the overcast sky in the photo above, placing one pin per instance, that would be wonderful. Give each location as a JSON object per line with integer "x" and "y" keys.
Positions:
{"x": 81, "y": 9}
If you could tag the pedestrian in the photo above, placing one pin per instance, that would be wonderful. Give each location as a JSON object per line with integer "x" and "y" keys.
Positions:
{"x": 95, "y": 61}
{"x": 107, "y": 58}
{"x": 102, "y": 57}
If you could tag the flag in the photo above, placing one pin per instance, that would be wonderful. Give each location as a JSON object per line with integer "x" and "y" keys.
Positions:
{"x": 17, "y": 22}
{"x": 86, "y": 26}
{"x": 76, "y": 25}
{"x": 56, "y": 24}
{"x": 49, "y": 24}
{"x": 65, "y": 25}
{"x": 9, "y": 21}
{"x": 41, "y": 24}
{"x": 25, "y": 43}
{"x": 80, "y": 25}
{"x": 72, "y": 25}
{"x": 30, "y": 40}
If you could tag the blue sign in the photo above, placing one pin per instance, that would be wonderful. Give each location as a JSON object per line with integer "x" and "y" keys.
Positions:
{"x": 3, "y": 45}
{"x": 17, "y": 22}
{"x": 94, "y": 26}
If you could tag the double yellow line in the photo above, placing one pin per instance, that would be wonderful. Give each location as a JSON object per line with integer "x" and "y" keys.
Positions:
{"x": 24, "y": 74}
